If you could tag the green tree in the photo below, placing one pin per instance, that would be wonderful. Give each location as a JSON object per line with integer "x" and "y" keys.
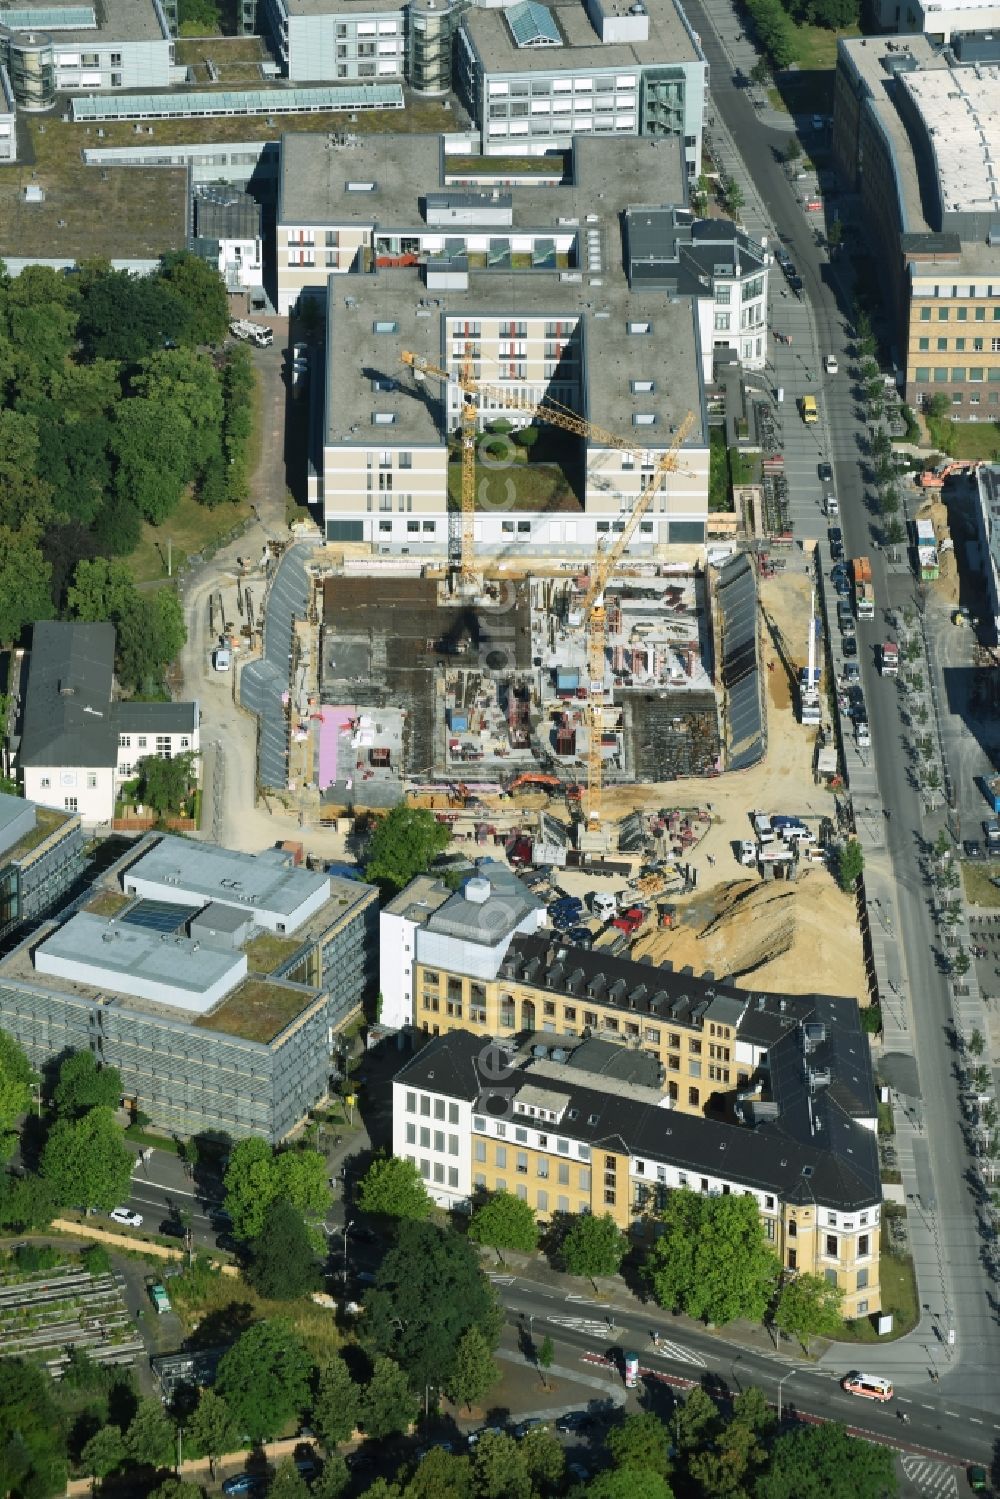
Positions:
{"x": 696, "y": 1422}
{"x": 26, "y": 1203}
{"x": 333, "y": 1479}
{"x": 25, "y": 579}
{"x": 429, "y": 1289}
{"x": 735, "y": 199}
{"x": 32, "y": 1433}
{"x": 212, "y": 1427}
{"x": 393, "y": 1187}
{"x": 388, "y": 1405}
{"x": 198, "y": 284}
{"x": 151, "y": 1439}
{"x": 475, "y": 1369}
{"x": 809, "y": 1307}
{"x": 546, "y": 1356}
{"x": 629, "y": 1483}
{"x": 404, "y": 844}
{"x": 264, "y": 1378}
{"x": 823, "y": 1462}
{"x": 87, "y": 1162}
{"x": 165, "y": 784}
{"x": 850, "y": 863}
{"x": 936, "y": 407}
{"x": 149, "y": 630}
{"x": 499, "y": 1470}
{"x": 288, "y": 1482}
{"x": 977, "y": 1042}
{"x": 126, "y": 317}
{"x": 735, "y": 1280}
{"x": 835, "y": 234}
{"x": 594, "y": 1246}
{"x": 641, "y": 1442}
{"x": 543, "y": 1456}
{"x": 441, "y": 1475}
{"x": 760, "y": 73}
{"x": 22, "y": 492}
{"x": 83, "y": 1085}
{"x": 176, "y": 1488}
{"x": 504, "y": 1221}
{"x": 151, "y": 446}
{"x": 283, "y": 1263}
{"x": 104, "y": 1453}
{"x": 16, "y": 1083}
{"x": 199, "y": 18}
{"x": 256, "y": 1177}
{"x": 336, "y": 1403}
{"x": 793, "y": 150}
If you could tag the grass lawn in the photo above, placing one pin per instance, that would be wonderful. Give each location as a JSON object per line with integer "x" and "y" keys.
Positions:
{"x": 190, "y": 529}
{"x": 267, "y": 950}
{"x": 979, "y": 887}
{"x": 221, "y": 49}
{"x": 216, "y": 1309}
{"x": 536, "y": 486}
{"x": 899, "y": 1296}
{"x": 886, "y": 1123}
{"x": 256, "y": 1011}
{"x": 816, "y": 48}
{"x": 974, "y": 440}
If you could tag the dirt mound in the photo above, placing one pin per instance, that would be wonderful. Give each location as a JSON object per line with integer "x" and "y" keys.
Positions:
{"x": 794, "y": 937}
{"x": 946, "y": 584}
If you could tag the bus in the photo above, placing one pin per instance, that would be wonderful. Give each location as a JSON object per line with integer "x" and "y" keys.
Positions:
{"x": 809, "y": 411}
{"x": 868, "y": 1386}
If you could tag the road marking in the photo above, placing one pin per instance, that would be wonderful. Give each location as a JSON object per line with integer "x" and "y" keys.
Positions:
{"x": 588, "y": 1325}
{"x": 679, "y": 1354}
{"x": 976, "y": 1420}
{"x": 502, "y": 1280}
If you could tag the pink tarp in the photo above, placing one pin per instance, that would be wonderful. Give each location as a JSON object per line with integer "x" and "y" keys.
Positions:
{"x": 334, "y": 722}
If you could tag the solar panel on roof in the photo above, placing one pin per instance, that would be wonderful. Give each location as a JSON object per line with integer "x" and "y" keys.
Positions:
{"x": 50, "y": 18}
{"x": 533, "y": 25}
{"x": 211, "y": 104}
{"x": 159, "y": 916}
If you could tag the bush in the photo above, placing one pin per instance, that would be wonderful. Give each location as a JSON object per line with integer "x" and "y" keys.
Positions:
{"x": 37, "y": 1257}
{"x": 871, "y": 1020}
{"x": 526, "y": 437}
{"x": 95, "y": 1260}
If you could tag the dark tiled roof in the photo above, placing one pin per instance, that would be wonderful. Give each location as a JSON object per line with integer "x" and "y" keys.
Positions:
{"x": 67, "y": 708}
{"x": 155, "y": 718}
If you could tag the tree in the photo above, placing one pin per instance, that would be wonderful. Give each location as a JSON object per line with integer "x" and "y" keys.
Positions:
{"x": 149, "y": 630}
{"x": 499, "y": 1470}
{"x": 388, "y": 1405}
{"x": 640, "y": 1442}
{"x": 835, "y": 234}
{"x": 288, "y": 1482}
{"x": 404, "y": 844}
{"x": 977, "y": 1043}
{"x": 176, "y": 1488}
{"x": 629, "y": 1483}
{"x": 504, "y": 1221}
{"x": 212, "y": 1427}
{"x": 126, "y": 317}
{"x": 850, "y": 863}
{"x": 936, "y": 407}
{"x": 735, "y": 1278}
{"x": 199, "y": 18}
{"x": 198, "y": 284}
{"x": 823, "y": 1462}
{"x": 256, "y": 1177}
{"x": 594, "y": 1246}
{"x": 429, "y": 1289}
{"x": 151, "y": 446}
{"x": 544, "y": 1459}
{"x": 283, "y": 1263}
{"x": 734, "y": 198}
{"x": 264, "y": 1378}
{"x": 87, "y": 1162}
{"x": 336, "y": 1403}
{"x": 16, "y": 1082}
{"x": 793, "y": 150}
{"x": 760, "y": 73}
{"x": 546, "y": 1355}
{"x": 32, "y": 1433}
{"x": 475, "y": 1370}
{"x": 394, "y": 1187}
{"x": 333, "y": 1478}
{"x": 83, "y": 1085}
{"x": 165, "y": 784}
{"x": 104, "y": 1453}
{"x": 151, "y": 1439}
{"x": 25, "y": 578}
{"x": 22, "y": 492}
{"x": 441, "y": 1475}
{"x": 809, "y": 1307}
{"x": 26, "y": 1203}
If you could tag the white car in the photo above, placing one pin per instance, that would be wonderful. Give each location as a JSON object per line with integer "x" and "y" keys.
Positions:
{"x": 126, "y": 1216}
{"x": 830, "y": 365}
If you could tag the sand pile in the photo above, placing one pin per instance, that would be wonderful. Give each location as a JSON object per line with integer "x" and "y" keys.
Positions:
{"x": 795, "y": 937}
{"x": 946, "y": 585}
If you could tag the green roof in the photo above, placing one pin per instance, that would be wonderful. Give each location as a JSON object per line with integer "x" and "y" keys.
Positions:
{"x": 533, "y": 25}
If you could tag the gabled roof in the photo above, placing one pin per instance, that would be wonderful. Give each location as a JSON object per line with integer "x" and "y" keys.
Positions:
{"x": 533, "y": 25}
{"x": 67, "y": 710}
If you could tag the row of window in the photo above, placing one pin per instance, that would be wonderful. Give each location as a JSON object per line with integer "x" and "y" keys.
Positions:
{"x": 958, "y": 291}
{"x": 520, "y": 1164}
{"x": 435, "y": 1172}
{"x": 977, "y": 345}
{"x": 431, "y": 1108}
{"x": 164, "y": 742}
{"x": 541, "y": 1195}
{"x": 961, "y": 314}
{"x": 958, "y": 374}
{"x": 423, "y": 1137}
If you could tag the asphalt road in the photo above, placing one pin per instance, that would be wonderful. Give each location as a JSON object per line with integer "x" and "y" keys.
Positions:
{"x": 964, "y": 1298}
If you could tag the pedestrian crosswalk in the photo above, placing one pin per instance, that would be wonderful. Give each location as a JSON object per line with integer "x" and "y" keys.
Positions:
{"x": 927, "y": 1478}
{"x": 677, "y": 1354}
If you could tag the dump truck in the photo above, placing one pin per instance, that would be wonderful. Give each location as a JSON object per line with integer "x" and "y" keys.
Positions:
{"x": 864, "y": 592}
{"x": 889, "y": 659}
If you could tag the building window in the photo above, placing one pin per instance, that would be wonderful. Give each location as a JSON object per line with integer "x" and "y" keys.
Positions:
{"x": 793, "y": 1229}
{"x": 925, "y": 314}
{"x": 480, "y": 1150}
{"x": 453, "y": 1113}
{"x": 124, "y": 741}
{"x": 862, "y": 1280}
{"x": 693, "y": 1097}
{"x": 453, "y": 1145}
{"x": 863, "y": 1249}
{"x": 70, "y": 804}
{"x": 924, "y": 344}
{"x": 411, "y": 1134}
{"x": 831, "y": 1246}
{"x": 542, "y": 1199}
{"x": 542, "y": 1167}
{"x": 501, "y": 1155}
{"x": 942, "y": 314}
{"x": 425, "y": 1137}
{"x": 563, "y": 1174}
{"x": 425, "y": 1107}
{"x": 453, "y": 1176}
{"x": 792, "y": 1260}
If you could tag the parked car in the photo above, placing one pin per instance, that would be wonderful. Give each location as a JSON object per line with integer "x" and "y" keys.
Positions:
{"x": 837, "y": 551}
{"x": 830, "y": 365}
{"x": 849, "y": 645}
{"x": 842, "y": 587}
{"x": 245, "y": 1483}
{"x": 825, "y": 473}
{"x": 126, "y": 1216}
{"x": 973, "y": 849}
{"x": 523, "y": 1427}
{"x": 484, "y": 1431}
{"x": 851, "y": 672}
{"x": 573, "y": 1421}
{"x": 581, "y": 936}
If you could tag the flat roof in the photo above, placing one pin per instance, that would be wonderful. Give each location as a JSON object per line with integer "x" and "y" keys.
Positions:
{"x": 223, "y": 874}
{"x": 317, "y": 173}
{"x": 961, "y": 112}
{"x": 334, "y": 9}
{"x": 259, "y": 1009}
{"x": 116, "y": 20}
{"x": 669, "y": 41}
{"x": 421, "y": 897}
{"x": 212, "y": 103}
{"x": 137, "y": 953}
{"x": 397, "y": 301}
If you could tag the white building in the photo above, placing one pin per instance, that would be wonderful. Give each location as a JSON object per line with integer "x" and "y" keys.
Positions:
{"x": 535, "y": 76}
{"x": 8, "y": 119}
{"x": 327, "y": 41}
{"x": 938, "y": 20}
{"x": 227, "y": 233}
{"x": 78, "y": 745}
{"x": 54, "y": 48}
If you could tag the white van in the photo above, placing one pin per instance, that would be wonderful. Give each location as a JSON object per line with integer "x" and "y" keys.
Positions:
{"x": 603, "y": 904}
{"x": 748, "y": 853}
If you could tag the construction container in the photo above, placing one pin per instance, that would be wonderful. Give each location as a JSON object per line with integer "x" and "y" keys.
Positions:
{"x": 458, "y": 722}
{"x": 296, "y": 850}
{"x": 566, "y": 742}
{"x": 567, "y": 682}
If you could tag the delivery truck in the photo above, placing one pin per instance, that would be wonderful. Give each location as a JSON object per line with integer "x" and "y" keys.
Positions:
{"x": 864, "y": 593}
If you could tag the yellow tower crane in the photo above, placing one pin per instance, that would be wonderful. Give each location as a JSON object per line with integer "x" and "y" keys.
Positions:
{"x": 590, "y": 613}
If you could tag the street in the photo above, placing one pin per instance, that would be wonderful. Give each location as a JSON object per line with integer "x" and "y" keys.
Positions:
{"x": 954, "y": 1288}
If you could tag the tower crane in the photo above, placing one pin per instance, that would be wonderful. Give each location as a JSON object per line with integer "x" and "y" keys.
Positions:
{"x": 590, "y": 614}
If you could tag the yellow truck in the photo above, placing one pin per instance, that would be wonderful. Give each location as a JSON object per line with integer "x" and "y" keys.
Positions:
{"x": 808, "y": 409}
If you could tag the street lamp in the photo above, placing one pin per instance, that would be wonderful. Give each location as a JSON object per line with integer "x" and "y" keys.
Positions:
{"x": 346, "y": 1231}
{"x": 781, "y": 1381}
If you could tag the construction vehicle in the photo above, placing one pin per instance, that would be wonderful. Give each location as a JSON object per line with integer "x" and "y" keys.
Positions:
{"x": 889, "y": 659}
{"x": 925, "y": 541}
{"x": 255, "y": 333}
{"x": 864, "y": 591}
{"x": 589, "y": 615}
{"x": 933, "y": 478}
{"x": 630, "y": 921}
{"x": 810, "y": 710}
{"x": 535, "y": 778}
